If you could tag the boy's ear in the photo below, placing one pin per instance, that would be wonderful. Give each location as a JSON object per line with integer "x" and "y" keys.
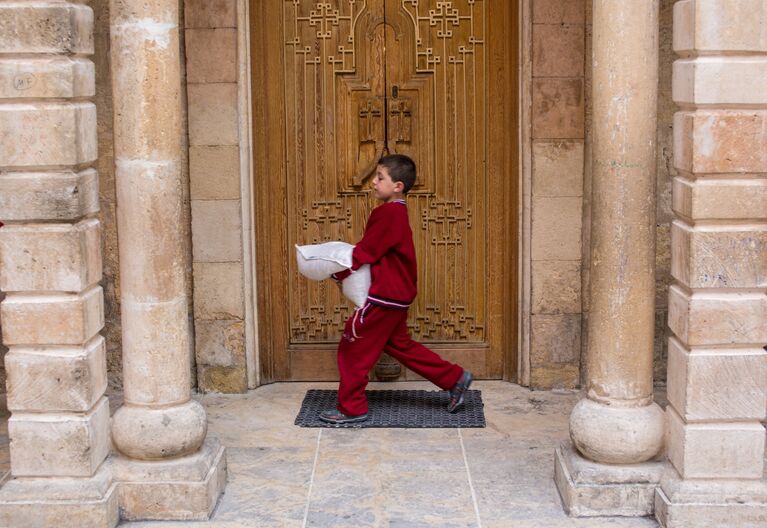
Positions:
{"x": 399, "y": 186}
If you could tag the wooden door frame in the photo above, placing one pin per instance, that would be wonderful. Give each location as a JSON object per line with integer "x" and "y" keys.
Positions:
{"x": 267, "y": 195}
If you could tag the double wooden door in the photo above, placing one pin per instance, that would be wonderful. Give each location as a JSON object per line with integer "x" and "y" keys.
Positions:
{"x": 338, "y": 83}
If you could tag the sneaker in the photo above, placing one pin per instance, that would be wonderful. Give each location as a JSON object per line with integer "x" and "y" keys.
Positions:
{"x": 334, "y": 416}
{"x": 458, "y": 392}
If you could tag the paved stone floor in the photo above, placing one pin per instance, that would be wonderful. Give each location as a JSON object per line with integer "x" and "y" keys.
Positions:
{"x": 281, "y": 475}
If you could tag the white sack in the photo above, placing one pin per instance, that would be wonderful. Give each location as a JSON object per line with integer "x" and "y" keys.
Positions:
{"x": 356, "y": 286}
{"x": 320, "y": 261}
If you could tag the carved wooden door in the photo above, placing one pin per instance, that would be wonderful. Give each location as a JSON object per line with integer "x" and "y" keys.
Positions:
{"x": 336, "y": 85}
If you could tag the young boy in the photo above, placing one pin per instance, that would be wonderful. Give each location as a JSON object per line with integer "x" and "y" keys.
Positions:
{"x": 381, "y": 324}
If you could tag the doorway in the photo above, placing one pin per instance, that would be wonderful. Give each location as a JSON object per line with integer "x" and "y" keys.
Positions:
{"x": 336, "y": 85}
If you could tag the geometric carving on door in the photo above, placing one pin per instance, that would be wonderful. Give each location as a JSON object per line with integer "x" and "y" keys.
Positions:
{"x": 410, "y": 76}
{"x": 446, "y": 222}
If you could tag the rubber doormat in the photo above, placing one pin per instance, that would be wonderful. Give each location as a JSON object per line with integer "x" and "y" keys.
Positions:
{"x": 398, "y": 408}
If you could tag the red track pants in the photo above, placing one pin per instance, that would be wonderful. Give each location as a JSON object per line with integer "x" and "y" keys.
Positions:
{"x": 371, "y": 331}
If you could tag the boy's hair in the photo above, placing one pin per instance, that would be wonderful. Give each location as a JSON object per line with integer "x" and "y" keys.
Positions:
{"x": 401, "y": 169}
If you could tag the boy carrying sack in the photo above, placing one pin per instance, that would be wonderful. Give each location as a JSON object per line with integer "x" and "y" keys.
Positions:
{"x": 381, "y": 324}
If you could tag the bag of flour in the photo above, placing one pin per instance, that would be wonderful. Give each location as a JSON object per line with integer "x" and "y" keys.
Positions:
{"x": 319, "y": 261}
{"x": 356, "y": 285}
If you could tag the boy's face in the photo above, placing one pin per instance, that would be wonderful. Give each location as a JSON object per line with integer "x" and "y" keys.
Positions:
{"x": 386, "y": 189}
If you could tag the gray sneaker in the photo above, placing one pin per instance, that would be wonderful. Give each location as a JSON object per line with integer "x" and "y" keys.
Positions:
{"x": 458, "y": 392}
{"x": 334, "y": 416}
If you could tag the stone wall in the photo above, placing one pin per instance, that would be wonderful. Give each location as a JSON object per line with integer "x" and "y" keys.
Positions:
{"x": 214, "y": 153}
{"x": 557, "y": 117}
{"x": 665, "y": 176}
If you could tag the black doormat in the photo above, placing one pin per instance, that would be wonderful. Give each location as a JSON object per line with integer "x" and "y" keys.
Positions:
{"x": 398, "y": 408}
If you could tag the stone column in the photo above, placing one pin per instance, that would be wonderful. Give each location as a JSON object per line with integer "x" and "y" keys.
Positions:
{"x": 50, "y": 267}
{"x": 717, "y": 365}
{"x": 618, "y": 422}
{"x": 159, "y": 421}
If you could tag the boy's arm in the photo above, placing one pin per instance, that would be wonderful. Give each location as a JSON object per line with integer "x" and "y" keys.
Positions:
{"x": 380, "y": 236}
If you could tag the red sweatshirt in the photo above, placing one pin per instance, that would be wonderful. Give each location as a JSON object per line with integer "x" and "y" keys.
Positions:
{"x": 387, "y": 246}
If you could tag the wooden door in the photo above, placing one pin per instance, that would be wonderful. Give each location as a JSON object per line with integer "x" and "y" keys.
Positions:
{"x": 336, "y": 84}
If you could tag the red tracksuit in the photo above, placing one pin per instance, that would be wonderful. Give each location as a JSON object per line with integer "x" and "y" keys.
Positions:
{"x": 380, "y": 325}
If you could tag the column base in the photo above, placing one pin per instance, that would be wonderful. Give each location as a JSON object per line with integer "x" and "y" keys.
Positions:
{"x": 707, "y": 503}
{"x": 49, "y": 502}
{"x": 591, "y": 489}
{"x": 184, "y": 488}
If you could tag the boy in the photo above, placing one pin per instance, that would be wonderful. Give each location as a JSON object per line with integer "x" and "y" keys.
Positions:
{"x": 381, "y": 324}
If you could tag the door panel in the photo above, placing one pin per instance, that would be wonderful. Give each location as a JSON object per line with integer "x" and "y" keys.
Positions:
{"x": 356, "y": 79}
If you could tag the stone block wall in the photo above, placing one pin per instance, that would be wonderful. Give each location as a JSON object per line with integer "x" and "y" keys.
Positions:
{"x": 50, "y": 256}
{"x": 557, "y": 122}
{"x": 717, "y": 374}
{"x": 214, "y": 162}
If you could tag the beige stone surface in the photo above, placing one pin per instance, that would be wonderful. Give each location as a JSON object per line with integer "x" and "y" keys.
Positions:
{"x": 185, "y": 488}
{"x": 557, "y": 111}
{"x": 214, "y": 172}
{"x": 59, "y": 444}
{"x": 590, "y": 489}
{"x": 28, "y": 196}
{"x": 719, "y": 256}
{"x": 555, "y": 338}
{"x": 218, "y": 290}
{"x": 557, "y": 168}
{"x": 43, "y": 502}
{"x": 39, "y": 134}
{"x": 151, "y": 239}
{"x": 27, "y": 78}
{"x": 556, "y": 287}
{"x": 716, "y": 450}
{"x": 213, "y": 114}
{"x": 156, "y": 433}
{"x": 708, "y": 503}
{"x": 558, "y": 50}
{"x": 716, "y": 383}
{"x": 146, "y": 67}
{"x": 56, "y": 379}
{"x": 720, "y": 80}
{"x": 720, "y": 141}
{"x": 556, "y": 228}
{"x": 71, "y": 319}
{"x": 211, "y": 55}
{"x": 558, "y": 12}
{"x": 637, "y": 432}
{"x": 220, "y": 343}
{"x": 700, "y": 28}
{"x": 217, "y": 230}
{"x": 46, "y": 27}
{"x": 152, "y": 333}
{"x": 549, "y": 376}
{"x": 701, "y": 319}
{"x": 50, "y": 257}
{"x": 226, "y": 379}
{"x": 720, "y": 199}
{"x": 210, "y": 13}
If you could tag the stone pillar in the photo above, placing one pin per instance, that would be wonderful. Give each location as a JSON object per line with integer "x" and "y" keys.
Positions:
{"x": 618, "y": 423}
{"x": 50, "y": 268}
{"x": 717, "y": 366}
{"x": 166, "y": 470}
